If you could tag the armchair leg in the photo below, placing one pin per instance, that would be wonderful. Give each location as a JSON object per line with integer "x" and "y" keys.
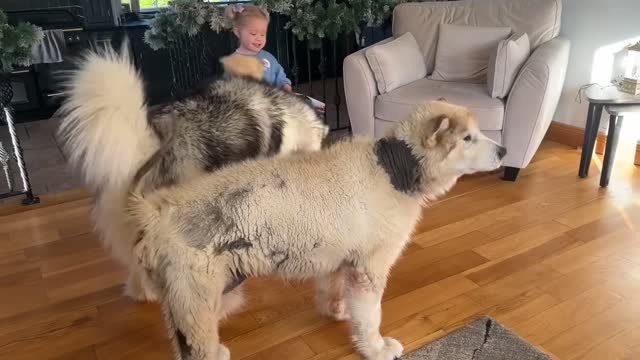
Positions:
{"x": 510, "y": 173}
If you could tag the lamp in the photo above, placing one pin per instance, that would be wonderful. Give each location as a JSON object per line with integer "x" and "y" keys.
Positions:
{"x": 631, "y": 82}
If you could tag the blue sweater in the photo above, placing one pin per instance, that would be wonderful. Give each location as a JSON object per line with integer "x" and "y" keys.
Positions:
{"x": 274, "y": 74}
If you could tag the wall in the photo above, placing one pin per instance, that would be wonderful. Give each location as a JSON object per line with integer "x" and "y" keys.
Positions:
{"x": 597, "y": 29}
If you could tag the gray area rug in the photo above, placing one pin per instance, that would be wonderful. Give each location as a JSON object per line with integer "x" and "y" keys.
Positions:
{"x": 484, "y": 339}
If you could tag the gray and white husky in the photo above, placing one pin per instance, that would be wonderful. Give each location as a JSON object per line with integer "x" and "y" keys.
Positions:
{"x": 112, "y": 137}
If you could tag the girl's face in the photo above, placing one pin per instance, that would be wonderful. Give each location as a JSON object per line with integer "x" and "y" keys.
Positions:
{"x": 253, "y": 34}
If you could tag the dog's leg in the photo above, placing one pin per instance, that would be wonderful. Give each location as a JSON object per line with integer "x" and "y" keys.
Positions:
{"x": 232, "y": 302}
{"x": 330, "y": 295}
{"x": 364, "y": 295}
{"x": 139, "y": 287}
{"x": 192, "y": 304}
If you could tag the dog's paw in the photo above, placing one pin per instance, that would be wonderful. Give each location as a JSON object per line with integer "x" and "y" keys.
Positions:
{"x": 223, "y": 353}
{"x": 141, "y": 296}
{"x": 391, "y": 350}
{"x": 136, "y": 290}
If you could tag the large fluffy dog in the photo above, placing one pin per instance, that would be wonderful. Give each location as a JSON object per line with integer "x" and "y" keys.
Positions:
{"x": 110, "y": 135}
{"x": 349, "y": 209}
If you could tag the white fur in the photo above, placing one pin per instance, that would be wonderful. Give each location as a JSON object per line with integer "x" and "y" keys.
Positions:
{"x": 106, "y": 137}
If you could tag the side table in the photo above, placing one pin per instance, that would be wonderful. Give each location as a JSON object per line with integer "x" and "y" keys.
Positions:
{"x": 617, "y": 103}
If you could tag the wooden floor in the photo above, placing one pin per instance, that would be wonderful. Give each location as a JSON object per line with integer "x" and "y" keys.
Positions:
{"x": 552, "y": 256}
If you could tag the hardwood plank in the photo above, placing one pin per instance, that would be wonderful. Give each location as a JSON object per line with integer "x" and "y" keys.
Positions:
{"x": 512, "y": 285}
{"x": 509, "y": 265}
{"x": 440, "y": 251}
{"x": 157, "y": 350}
{"x": 559, "y": 318}
{"x": 586, "y": 277}
{"x": 577, "y": 341}
{"x": 335, "y": 353}
{"x": 85, "y": 280}
{"x": 507, "y": 219}
{"x": 129, "y": 344}
{"x": 422, "y": 298}
{"x": 523, "y": 240}
{"x": 274, "y": 333}
{"x": 522, "y": 307}
{"x": 401, "y": 282}
{"x": 87, "y": 353}
{"x": 13, "y": 262}
{"x": 624, "y": 345}
{"x": 75, "y": 330}
{"x": 237, "y": 325}
{"x": 22, "y": 239}
{"x": 328, "y": 336}
{"x": 22, "y": 277}
{"x": 294, "y": 349}
{"x": 601, "y": 227}
{"x": 589, "y": 212}
{"x": 20, "y": 298}
{"x": 592, "y": 251}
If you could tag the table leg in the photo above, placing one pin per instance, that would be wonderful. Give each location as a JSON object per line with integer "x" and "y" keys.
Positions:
{"x": 590, "y": 134}
{"x": 615, "y": 123}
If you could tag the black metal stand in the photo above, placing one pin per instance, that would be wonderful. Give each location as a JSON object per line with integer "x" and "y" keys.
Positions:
{"x": 17, "y": 151}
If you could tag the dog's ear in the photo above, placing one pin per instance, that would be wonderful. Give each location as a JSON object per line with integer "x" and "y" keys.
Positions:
{"x": 442, "y": 99}
{"x": 443, "y": 123}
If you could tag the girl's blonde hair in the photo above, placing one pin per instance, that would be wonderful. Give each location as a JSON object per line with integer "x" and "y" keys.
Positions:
{"x": 239, "y": 14}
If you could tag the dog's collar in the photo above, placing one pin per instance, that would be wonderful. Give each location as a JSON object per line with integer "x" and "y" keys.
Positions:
{"x": 399, "y": 162}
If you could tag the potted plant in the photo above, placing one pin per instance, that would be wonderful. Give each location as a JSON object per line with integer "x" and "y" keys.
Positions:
{"x": 15, "y": 49}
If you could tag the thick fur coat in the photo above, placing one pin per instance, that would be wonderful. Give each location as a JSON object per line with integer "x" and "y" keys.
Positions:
{"x": 111, "y": 136}
{"x": 344, "y": 214}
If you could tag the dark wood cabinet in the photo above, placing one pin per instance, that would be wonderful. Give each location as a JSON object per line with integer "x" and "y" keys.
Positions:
{"x": 98, "y": 13}
{"x": 155, "y": 67}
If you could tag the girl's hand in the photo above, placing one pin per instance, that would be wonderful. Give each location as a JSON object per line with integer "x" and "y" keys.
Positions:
{"x": 287, "y": 88}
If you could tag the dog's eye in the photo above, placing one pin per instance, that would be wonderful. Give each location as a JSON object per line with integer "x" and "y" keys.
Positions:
{"x": 467, "y": 138}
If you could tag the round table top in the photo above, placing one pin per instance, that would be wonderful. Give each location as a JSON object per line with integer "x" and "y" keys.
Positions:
{"x": 609, "y": 94}
{"x": 622, "y": 109}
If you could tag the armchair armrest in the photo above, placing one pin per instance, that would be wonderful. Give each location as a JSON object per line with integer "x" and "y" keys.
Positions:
{"x": 533, "y": 100}
{"x": 360, "y": 91}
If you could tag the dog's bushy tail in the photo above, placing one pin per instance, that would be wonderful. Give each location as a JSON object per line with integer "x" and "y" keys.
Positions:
{"x": 104, "y": 127}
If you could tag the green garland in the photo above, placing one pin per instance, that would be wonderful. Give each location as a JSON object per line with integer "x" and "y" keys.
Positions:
{"x": 314, "y": 20}
{"x": 16, "y": 43}
{"x": 311, "y": 20}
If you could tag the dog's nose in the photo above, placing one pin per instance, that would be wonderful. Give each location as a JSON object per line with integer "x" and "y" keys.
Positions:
{"x": 502, "y": 151}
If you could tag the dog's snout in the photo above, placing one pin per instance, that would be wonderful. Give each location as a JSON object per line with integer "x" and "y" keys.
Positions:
{"x": 502, "y": 151}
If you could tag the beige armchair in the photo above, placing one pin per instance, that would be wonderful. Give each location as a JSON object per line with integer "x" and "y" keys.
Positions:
{"x": 518, "y": 121}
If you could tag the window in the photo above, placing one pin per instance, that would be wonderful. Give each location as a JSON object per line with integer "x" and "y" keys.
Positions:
{"x": 150, "y": 5}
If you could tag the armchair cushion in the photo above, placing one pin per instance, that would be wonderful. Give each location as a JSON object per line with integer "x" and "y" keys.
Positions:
{"x": 396, "y": 104}
{"x": 396, "y": 63}
{"x": 463, "y": 52}
{"x": 540, "y": 19}
{"x": 505, "y": 63}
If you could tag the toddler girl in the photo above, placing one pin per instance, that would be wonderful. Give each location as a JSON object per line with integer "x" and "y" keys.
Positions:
{"x": 250, "y": 24}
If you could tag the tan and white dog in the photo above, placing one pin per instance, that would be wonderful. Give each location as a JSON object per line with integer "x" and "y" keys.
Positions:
{"x": 348, "y": 210}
